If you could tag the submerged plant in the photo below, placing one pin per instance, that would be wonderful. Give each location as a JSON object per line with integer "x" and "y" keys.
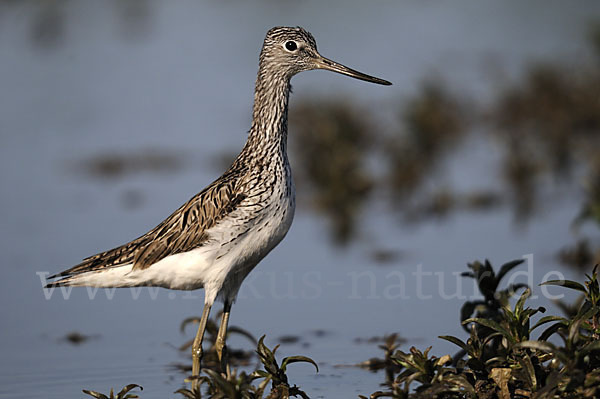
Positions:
{"x": 220, "y": 386}
{"x": 123, "y": 393}
{"x": 335, "y": 134}
{"x": 501, "y": 359}
{"x": 239, "y": 384}
{"x": 236, "y": 357}
{"x": 488, "y": 283}
{"x": 277, "y": 374}
{"x": 390, "y": 344}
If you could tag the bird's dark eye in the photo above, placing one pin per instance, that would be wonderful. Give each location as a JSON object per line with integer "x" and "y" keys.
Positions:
{"x": 291, "y": 46}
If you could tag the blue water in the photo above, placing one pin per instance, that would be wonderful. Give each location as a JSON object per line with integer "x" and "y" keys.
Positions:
{"x": 177, "y": 77}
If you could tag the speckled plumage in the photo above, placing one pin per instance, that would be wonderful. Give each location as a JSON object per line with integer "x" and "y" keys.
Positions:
{"x": 216, "y": 238}
{"x": 255, "y": 194}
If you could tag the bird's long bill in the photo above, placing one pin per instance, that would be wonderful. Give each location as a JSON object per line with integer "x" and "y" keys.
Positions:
{"x": 325, "y": 63}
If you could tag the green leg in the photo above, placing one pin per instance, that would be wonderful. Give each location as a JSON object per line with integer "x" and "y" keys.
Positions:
{"x": 222, "y": 335}
{"x": 197, "y": 346}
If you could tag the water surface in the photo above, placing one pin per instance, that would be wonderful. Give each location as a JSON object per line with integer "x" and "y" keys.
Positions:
{"x": 86, "y": 79}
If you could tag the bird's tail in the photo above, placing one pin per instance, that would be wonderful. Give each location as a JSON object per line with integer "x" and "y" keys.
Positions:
{"x": 65, "y": 281}
{"x": 113, "y": 277}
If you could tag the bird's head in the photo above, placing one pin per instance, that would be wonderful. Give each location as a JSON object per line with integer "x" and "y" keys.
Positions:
{"x": 290, "y": 50}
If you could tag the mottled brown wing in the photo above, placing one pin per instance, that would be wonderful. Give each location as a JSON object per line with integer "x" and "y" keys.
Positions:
{"x": 183, "y": 231}
{"x": 186, "y": 229}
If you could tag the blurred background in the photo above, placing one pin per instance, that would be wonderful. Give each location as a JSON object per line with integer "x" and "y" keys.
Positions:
{"x": 114, "y": 113}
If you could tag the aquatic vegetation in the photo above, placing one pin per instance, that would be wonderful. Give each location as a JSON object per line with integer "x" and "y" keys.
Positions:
{"x": 579, "y": 255}
{"x": 236, "y": 357}
{"x": 500, "y": 359}
{"x": 234, "y": 383}
{"x": 488, "y": 282}
{"x": 434, "y": 119}
{"x": 595, "y": 37}
{"x": 77, "y": 338}
{"x": 239, "y": 384}
{"x": 545, "y": 125}
{"x": 113, "y": 166}
{"x": 123, "y": 393}
{"x": 277, "y": 374}
{"x": 231, "y": 385}
{"x": 389, "y": 346}
{"x": 339, "y": 136}
{"x": 433, "y": 123}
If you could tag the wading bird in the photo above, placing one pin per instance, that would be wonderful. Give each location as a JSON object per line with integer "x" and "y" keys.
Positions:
{"x": 216, "y": 238}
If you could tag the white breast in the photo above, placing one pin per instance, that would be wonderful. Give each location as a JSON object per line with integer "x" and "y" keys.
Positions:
{"x": 244, "y": 240}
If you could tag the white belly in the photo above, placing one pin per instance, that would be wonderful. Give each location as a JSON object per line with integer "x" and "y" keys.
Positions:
{"x": 235, "y": 246}
{"x": 239, "y": 256}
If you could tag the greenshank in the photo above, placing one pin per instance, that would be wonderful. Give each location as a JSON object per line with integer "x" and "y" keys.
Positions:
{"x": 216, "y": 238}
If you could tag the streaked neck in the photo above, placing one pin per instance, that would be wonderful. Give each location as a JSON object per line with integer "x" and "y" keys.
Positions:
{"x": 269, "y": 116}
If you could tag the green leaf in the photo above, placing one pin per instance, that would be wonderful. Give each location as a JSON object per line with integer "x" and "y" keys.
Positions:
{"x": 507, "y": 267}
{"x": 380, "y": 394}
{"x": 266, "y": 356}
{"x": 491, "y": 336}
{"x": 513, "y": 288}
{"x": 460, "y": 381}
{"x": 566, "y": 283}
{"x": 592, "y": 346}
{"x": 546, "y": 347}
{"x": 241, "y": 331}
{"x": 486, "y": 279}
{"x": 296, "y": 359}
{"x": 521, "y": 302}
{"x": 186, "y": 392}
{"x": 493, "y": 325}
{"x": 548, "y": 319}
{"x": 574, "y": 329}
{"x": 221, "y": 383}
{"x": 260, "y": 374}
{"x": 405, "y": 360}
{"x": 187, "y": 321}
{"x": 95, "y": 394}
{"x": 527, "y": 313}
{"x": 127, "y": 389}
{"x": 538, "y": 345}
{"x": 467, "y": 310}
{"x": 498, "y": 360}
{"x": 262, "y": 349}
{"x": 551, "y": 330}
{"x": 455, "y": 341}
{"x": 262, "y": 386}
{"x": 588, "y": 314}
{"x": 525, "y": 362}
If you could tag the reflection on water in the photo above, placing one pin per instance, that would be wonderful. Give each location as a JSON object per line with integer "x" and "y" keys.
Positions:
{"x": 135, "y": 17}
{"x": 433, "y": 122}
{"x": 77, "y": 338}
{"x": 227, "y": 381}
{"x": 546, "y": 124}
{"x": 48, "y": 20}
{"x": 87, "y": 97}
{"x": 236, "y": 357}
{"x": 503, "y": 356}
{"x": 336, "y": 143}
{"x": 114, "y": 165}
{"x": 579, "y": 255}
{"x": 333, "y": 141}
{"x": 47, "y": 29}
